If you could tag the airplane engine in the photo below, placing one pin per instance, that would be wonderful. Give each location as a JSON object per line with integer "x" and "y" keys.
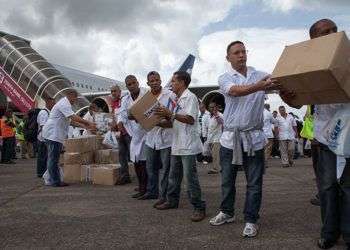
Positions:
{"x": 103, "y": 103}
{"x": 214, "y": 96}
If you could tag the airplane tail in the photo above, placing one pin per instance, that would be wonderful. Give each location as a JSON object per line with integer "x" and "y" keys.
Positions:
{"x": 187, "y": 66}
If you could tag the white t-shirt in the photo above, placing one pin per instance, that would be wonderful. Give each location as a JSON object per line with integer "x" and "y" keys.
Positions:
{"x": 245, "y": 112}
{"x": 323, "y": 114}
{"x": 285, "y": 127}
{"x": 186, "y": 138}
{"x": 215, "y": 128}
{"x": 57, "y": 126}
{"x": 160, "y": 138}
{"x": 42, "y": 118}
{"x": 268, "y": 124}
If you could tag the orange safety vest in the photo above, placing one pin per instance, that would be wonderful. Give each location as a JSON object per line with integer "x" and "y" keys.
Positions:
{"x": 6, "y": 130}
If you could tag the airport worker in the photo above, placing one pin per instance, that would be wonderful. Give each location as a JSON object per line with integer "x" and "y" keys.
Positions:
{"x": 55, "y": 131}
{"x": 243, "y": 140}
{"x": 7, "y": 132}
{"x": 43, "y": 116}
{"x": 334, "y": 195}
{"x": 138, "y": 134}
{"x": 158, "y": 144}
{"x": 186, "y": 144}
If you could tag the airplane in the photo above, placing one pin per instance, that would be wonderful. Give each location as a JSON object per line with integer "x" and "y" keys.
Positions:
{"x": 26, "y": 78}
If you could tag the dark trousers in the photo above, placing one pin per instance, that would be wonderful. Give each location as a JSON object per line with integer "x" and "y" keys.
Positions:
{"x": 141, "y": 174}
{"x": 53, "y": 155}
{"x": 254, "y": 169}
{"x": 334, "y": 197}
{"x": 315, "y": 151}
{"x": 8, "y": 149}
{"x": 41, "y": 164}
{"x": 124, "y": 157}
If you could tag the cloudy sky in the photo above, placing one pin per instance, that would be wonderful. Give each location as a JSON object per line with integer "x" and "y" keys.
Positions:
{"x": 113, "y": 38}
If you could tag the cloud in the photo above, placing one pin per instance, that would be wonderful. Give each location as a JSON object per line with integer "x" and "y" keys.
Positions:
{"x": 113, "y": 38}
{"x": 287, "y": 5}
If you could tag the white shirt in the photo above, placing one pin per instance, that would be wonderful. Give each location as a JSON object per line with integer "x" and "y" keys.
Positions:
{"x": 244, "y": 112}
{"x": 186, "y": 138}
{"x": 134, "y": 129}
{"x": 268, "y": 124}
{"x": 57, "y": 126}
{"x": 285, "y": 127}
{"x": 323, "y": 114}
{"x": 215, "y": 128}
{"x": 203, "y": 128}
{"x": 42, "y": 118}
{"x": 160, "y": 138}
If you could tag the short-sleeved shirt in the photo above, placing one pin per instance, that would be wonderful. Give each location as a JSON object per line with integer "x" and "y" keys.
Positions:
{"x": 42, "y": 118}
{"x": 203, "y": 121}
{"x": 285, "y": 127}
{"x": 57, "y": 126}
{"x": 268, "y": 124}
{"x": 244, "y": 112}
{"x": 215, "y": 128}
{"x": 160, "y": 138}
{"x": 186, "y": 137}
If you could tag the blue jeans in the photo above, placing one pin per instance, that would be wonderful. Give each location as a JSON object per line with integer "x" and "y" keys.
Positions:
{"x": 153, "y": 166}
{"x": 53, "y": 155}
{"x": 181, "y": 165}
{"x": 334, "y": 197}
{"x": 254, "y": 169}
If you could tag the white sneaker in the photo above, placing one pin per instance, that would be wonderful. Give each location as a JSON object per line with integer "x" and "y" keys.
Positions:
{"x": 250, "y": 230}
{"x": 221, "y": 218}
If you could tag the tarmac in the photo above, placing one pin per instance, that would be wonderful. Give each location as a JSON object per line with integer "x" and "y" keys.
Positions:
{"x": 82, "y": 216}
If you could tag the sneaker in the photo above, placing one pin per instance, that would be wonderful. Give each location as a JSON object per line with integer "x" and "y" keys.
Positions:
{"x": 221, "y": 218}
{"x": 250, "y": 230}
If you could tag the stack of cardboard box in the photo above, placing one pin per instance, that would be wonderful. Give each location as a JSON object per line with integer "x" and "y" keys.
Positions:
{"x": 85, "y": 160}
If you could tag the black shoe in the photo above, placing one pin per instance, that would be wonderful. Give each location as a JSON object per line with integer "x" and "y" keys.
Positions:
{"x": 137, "y": 195}
{"x": 325, "y": 244}
{"x": 148, "y": 197}
{"x": 166, "y": 205}
{"x": 61, "y": 184}
{"x": 123, "y": 181}
{"x": 315, "y": 202}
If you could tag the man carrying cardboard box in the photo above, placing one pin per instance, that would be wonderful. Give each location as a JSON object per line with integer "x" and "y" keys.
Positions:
{"x": 243, "y": 140}
{"x": 186, "y": 144}
{"x": 138, "y": 134}
{"x": 158, "y": 142}
{"x": 56, "y": 130}
{"x": 334, "y": 197}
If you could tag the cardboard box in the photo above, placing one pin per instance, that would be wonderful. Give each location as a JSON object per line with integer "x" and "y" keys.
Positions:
{"x": 72, "y": 173}
{"x": 143, "y": 111}
{"x": 78, "y": 158}
{"x": 317, "y": 70}
{"x": 80, "y": 144}
{"x": 106, "y": 174}
{"x": 86, "y": 173}
{"x": 107, "y": 156}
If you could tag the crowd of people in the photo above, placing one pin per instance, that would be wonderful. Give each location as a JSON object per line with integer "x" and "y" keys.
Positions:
{"x": 243, "y": 137}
